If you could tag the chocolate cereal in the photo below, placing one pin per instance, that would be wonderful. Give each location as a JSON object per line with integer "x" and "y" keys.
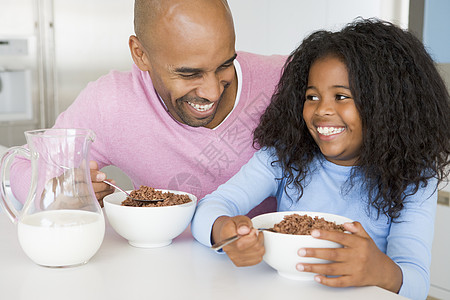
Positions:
{"x": 145, "y": 192}
{"x": 303, "y": 225}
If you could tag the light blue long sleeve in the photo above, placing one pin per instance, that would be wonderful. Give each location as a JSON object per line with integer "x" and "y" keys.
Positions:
{"x": 407, "y": 241}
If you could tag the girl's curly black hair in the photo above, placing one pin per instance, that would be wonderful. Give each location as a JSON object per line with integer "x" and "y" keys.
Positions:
{"x": 403, "y": 104}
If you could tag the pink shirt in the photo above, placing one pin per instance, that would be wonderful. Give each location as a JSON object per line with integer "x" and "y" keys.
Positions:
{"x": 135, "y": 133}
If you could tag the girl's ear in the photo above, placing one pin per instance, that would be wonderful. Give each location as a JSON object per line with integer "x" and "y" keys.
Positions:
{"x": 138, "y": 54}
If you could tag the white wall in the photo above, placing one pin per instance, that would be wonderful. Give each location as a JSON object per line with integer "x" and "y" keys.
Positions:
{"x": 91, "y": 37}
{"x": 278, "y": 26}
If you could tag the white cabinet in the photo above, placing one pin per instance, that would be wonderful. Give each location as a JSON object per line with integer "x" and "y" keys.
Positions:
{"x": 15, "y": 95}
{"x": 440, "y": 261}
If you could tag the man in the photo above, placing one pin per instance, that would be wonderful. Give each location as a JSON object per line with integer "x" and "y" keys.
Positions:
{"x": 183, "y": 117}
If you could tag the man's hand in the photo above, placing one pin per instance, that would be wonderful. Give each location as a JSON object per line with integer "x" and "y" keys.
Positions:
{"x": 101, "y": 189}
{"x": 249, "y": 249}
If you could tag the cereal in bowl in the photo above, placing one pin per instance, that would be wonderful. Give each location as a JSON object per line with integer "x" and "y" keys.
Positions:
{"x": 303, "y": 225}
{"x": 145, "y": 192}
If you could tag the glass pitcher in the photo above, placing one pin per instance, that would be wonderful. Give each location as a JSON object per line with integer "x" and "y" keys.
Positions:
{"x": 61, "y": 223}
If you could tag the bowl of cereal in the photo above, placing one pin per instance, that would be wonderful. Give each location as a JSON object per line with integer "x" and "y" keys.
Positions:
{"x": 290, "y": 231}
{"x": 150, "y": 224}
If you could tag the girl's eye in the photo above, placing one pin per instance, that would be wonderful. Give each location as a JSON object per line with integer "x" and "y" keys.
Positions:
{"x": 312, "y": 98}
{"x": 342, "y": 97}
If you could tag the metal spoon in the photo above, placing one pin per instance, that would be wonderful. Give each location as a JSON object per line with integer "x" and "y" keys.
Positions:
{"x": 128, "y": 194}
{"x": 113, "y": 185}
{"x": 219, "y": 245}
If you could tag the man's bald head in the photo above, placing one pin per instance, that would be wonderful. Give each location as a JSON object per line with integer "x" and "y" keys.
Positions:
{"x": 145, "y": 14}
{"x": 148, "y": 14}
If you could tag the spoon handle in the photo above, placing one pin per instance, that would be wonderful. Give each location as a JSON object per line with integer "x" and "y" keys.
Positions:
{"x": 219, "y": 245}
{"x": 223, "y": 243}
{"x": 128, "y": 194}
{"x": 115, "y": 186}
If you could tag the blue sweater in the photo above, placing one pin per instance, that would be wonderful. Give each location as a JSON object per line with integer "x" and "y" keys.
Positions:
{"x": 407, "y": 241}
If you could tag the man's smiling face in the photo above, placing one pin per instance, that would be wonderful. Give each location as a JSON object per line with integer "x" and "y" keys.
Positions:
{"x": 193, "y": 92}
{"x": 190, "y": 59}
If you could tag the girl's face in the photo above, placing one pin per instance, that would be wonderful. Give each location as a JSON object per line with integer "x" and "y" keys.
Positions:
{"x": 330, "y": 112}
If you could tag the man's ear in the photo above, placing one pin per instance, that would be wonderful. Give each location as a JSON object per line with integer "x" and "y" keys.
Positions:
{"x": 140, "y": 58}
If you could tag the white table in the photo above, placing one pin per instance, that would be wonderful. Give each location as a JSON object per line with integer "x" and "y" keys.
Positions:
{"x": 183, "y": 270}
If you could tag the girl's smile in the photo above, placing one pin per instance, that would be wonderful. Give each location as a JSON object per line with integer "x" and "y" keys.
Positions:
{"x": 327, "y": 131}
{"x": 330, "y": 112}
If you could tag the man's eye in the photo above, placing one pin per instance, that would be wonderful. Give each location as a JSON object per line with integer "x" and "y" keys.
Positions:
{"x": 225, "y": 66}
{"x": 190, "y": 76}
{"x": 312, "y": 98}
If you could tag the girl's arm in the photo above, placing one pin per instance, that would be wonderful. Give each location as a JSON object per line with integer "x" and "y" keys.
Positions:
{"x": 256, "y": 181}
{"x": 410, "y": 240}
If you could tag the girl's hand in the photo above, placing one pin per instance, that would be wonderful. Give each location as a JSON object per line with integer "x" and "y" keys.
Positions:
{"x": 248, "y": 250}
{"x": 358, "y": 263}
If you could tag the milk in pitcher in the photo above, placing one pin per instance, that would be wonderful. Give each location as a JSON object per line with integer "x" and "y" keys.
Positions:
{"x": 57, "y": 238}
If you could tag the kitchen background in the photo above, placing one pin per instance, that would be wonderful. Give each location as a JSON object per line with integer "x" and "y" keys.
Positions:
{"x": 50, "y": 50}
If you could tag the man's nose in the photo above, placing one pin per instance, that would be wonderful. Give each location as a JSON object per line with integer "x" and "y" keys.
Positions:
{"x": 211, "y": 88}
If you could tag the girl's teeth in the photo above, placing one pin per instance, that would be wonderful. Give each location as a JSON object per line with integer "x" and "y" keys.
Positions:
{"x": 329, "y": 130}
{"x": 201, "y": 107}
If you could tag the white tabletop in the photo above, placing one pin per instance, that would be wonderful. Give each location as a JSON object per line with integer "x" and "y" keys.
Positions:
{"x": 183, "y": 270}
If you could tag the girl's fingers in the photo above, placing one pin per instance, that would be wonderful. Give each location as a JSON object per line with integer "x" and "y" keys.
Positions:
{"x": 358, "y": 263}
{"x": 342, "y": 281}
{"x": 332, "y": 254}
{"x": 246, "y": 251}
{"x": 343, "y": 238}
{"x": 356, "y": 228}
{"x": 326, "y": 269}
{"x": 329, "y": 269}
{"x": 245, "y": 242}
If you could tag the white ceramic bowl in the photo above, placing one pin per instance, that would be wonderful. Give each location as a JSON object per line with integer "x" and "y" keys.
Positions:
{"x": 281, "y": 249}
{"x": 148, "y": 227}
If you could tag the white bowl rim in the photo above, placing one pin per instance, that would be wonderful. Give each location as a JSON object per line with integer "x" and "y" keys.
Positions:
{"x": 191, "y": 196}
{"x": 302, "y": 213}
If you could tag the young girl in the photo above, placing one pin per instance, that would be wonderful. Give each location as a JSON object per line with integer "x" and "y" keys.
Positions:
{"x": 359, "y": 127}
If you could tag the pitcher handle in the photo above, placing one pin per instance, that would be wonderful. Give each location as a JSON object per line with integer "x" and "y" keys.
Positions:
{"x": 6, "y": 203}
